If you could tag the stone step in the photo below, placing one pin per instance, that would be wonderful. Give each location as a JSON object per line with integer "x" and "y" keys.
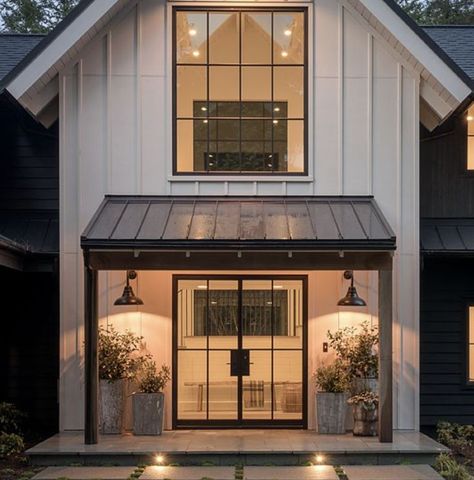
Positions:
{"x": 391, "y": 472}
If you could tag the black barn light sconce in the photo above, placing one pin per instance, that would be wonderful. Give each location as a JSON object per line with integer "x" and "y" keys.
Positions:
{"x": 351, "y": 299}
{"x": 128, "y": 297}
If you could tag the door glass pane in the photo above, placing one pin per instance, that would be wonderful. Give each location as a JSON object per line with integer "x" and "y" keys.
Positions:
{"x": 256, "y": 37}
{"x": 256, "y": 388}
{"x": 288, "y": 384}
{"x": 223, "y": 314}
{"x": 222, "y": 387}
{"x": 191, "y": 37}
{"x": 191, "y": 302}
{"x": 224, "y": 37}
{"x": 192, "y": 384}
{"x": 288, "y": 332}
{"x": 288, "y": 37}
{"x": 257, "y": 313}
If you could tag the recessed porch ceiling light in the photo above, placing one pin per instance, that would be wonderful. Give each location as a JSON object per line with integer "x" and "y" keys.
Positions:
{"x": 284, "y": 53}
{"x": 196, "y": 53}
{"x": 202, "y": 287}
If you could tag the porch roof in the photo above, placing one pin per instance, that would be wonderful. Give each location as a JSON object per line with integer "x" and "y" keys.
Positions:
{"x": 322, "y": 223}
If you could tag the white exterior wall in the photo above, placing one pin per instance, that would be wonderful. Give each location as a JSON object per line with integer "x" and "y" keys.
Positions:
{"x": 116, "y": 137}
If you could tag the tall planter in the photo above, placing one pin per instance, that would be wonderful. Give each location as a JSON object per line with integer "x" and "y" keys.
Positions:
{"x": 111, "y": 406}
{"x": 331, "y": 411}
{"x": 148, "y": 413}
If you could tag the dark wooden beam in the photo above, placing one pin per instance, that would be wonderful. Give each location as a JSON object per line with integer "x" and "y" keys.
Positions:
{"x": 91, "y": 361}
{"x": 233, "y": 260}
{"x": 385, "y": 357}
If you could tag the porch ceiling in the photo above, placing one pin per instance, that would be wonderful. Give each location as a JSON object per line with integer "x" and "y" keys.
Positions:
{"x": 212, "y": 227}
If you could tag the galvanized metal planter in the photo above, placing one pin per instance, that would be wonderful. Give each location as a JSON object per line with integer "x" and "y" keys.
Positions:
{"x": 111, "y": 406}
{"x": 148, "y": 413}
{"x": 365, "y": 420}
{"x": 331, "y": 411}
{"x": 360, "y": 385}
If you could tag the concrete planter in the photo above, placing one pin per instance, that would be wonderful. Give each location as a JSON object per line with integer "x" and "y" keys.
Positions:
{"x": 359, "y": 385}
{"x": 111, "y": 407}
{"x": 365, "y": 420}
{"x": 331, "y": 411}
{"x": 148, "y": 413}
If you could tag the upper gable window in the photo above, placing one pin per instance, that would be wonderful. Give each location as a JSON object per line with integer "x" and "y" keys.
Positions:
{"x": 240, "y": 95}
{"x": 470, "y": 138}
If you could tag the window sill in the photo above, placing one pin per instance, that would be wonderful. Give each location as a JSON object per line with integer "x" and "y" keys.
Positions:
{"x": 240, "y": 178}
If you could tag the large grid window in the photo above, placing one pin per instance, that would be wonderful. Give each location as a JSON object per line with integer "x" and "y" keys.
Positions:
{"x": 240, "y": 100}
{"x": 470, "y": 138}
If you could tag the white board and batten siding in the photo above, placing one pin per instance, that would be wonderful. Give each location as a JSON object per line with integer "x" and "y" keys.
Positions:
{"x": 116, "y": 138}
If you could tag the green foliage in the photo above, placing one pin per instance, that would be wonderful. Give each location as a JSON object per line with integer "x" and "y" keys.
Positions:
{"x": 368, "y": 399}
{"x": 356, "y": 349}
{"x": 11, "y": 418}
{"x": 118, "y": 354}
{"x": 450, "y": 469}
{"x": 455, "y": 436}
{"x": 153, "y": 381}
{"x": 33, "y": 16}
{"x": 10, "y": 444}
{"x": 332, "y": 378}
{"x": 440, "y": 12}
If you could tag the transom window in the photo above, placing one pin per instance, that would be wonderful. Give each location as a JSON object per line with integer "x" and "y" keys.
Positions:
{"x": 240, "y": 99}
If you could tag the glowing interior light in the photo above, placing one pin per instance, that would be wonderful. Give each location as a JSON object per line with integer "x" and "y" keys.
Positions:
{"x": 159, "y": 459}
{"x": 469, "y": 118}
{"x": 275, "y": 122}
{"x": 277, "y": 286}
{"x": 192, "y": 31}
{"x": 202, "y": 287}
{"x": 204, "y": 121}
{"x": 196, "y": 53}
{"x": 287, "y": 32}
{"x": 204, "y": 109}
{"x": 284, "y": 53}
{"x": 276, "y": 109}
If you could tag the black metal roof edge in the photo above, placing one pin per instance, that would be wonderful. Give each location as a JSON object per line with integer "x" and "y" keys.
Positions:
{"x": 447, "y": 253}
{"x": 47, "y": 40}
{"x": 276, "y": 245}
{"x": 447, "y": 26}
{"x": 15, "y": 247}
{"x": 237, "y": 197}
{"x": 418, "y": 29}
{"x": 96, "y": 215}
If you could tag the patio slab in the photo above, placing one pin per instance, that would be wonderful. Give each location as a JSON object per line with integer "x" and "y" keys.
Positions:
{"x": 317, "y": 472}
{"x": 391, "y": 472}
{"x": 85, "y": 473}
{"x": 188, "y": 473}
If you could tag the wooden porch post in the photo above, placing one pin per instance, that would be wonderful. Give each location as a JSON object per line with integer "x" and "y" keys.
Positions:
{"x": 91, "y": 333}
{"x": 385, "y": 357}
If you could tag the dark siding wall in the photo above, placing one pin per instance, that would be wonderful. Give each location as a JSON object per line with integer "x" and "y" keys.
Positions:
{"x": 446, "y": 288}
{"x": 447, "y": 188}
{"x": 29, "y": 161}
{"x": 29, "y": 346}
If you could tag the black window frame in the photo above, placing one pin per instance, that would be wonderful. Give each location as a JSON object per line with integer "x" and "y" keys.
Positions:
{"x": 243, "y": 174}
{"x": 467, "y": 380}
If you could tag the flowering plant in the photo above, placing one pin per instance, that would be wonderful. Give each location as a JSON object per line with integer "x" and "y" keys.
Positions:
{"x": 368, "y": 399}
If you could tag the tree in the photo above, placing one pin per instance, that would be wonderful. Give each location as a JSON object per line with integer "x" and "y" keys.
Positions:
{"x": 33, "y": 16}
{"x": 440, "y": 12}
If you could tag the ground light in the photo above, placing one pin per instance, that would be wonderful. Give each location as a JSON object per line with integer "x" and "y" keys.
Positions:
{"x": 318, "y": 458}
{"x": 159, "y": 459}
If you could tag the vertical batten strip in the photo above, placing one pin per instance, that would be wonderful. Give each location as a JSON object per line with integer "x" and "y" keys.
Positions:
{"x": 138, "y": 98}
{"x": 340, "y": 119}
{"x": 78, "y": 207}
{"x": 370, "y": 112}
{"x": 108, "y": 73}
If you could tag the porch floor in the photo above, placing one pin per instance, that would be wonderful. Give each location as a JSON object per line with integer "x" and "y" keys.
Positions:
{"x": 230, "y": 447}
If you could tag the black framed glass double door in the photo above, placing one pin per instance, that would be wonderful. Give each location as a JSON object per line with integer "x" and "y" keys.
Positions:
{"x": 239, "y": 351}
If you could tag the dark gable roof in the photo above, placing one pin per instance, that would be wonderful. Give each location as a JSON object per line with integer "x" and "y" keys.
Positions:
{"x": 458, "y": 42}
{"x": 13, "y": 48}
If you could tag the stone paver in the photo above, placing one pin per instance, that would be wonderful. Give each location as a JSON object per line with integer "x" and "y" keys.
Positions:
{"x": 391, "y": 472}
{"x": 188, "y": 473}
{"x": 85, "y": 473}
{"x": 316, "y": 472}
